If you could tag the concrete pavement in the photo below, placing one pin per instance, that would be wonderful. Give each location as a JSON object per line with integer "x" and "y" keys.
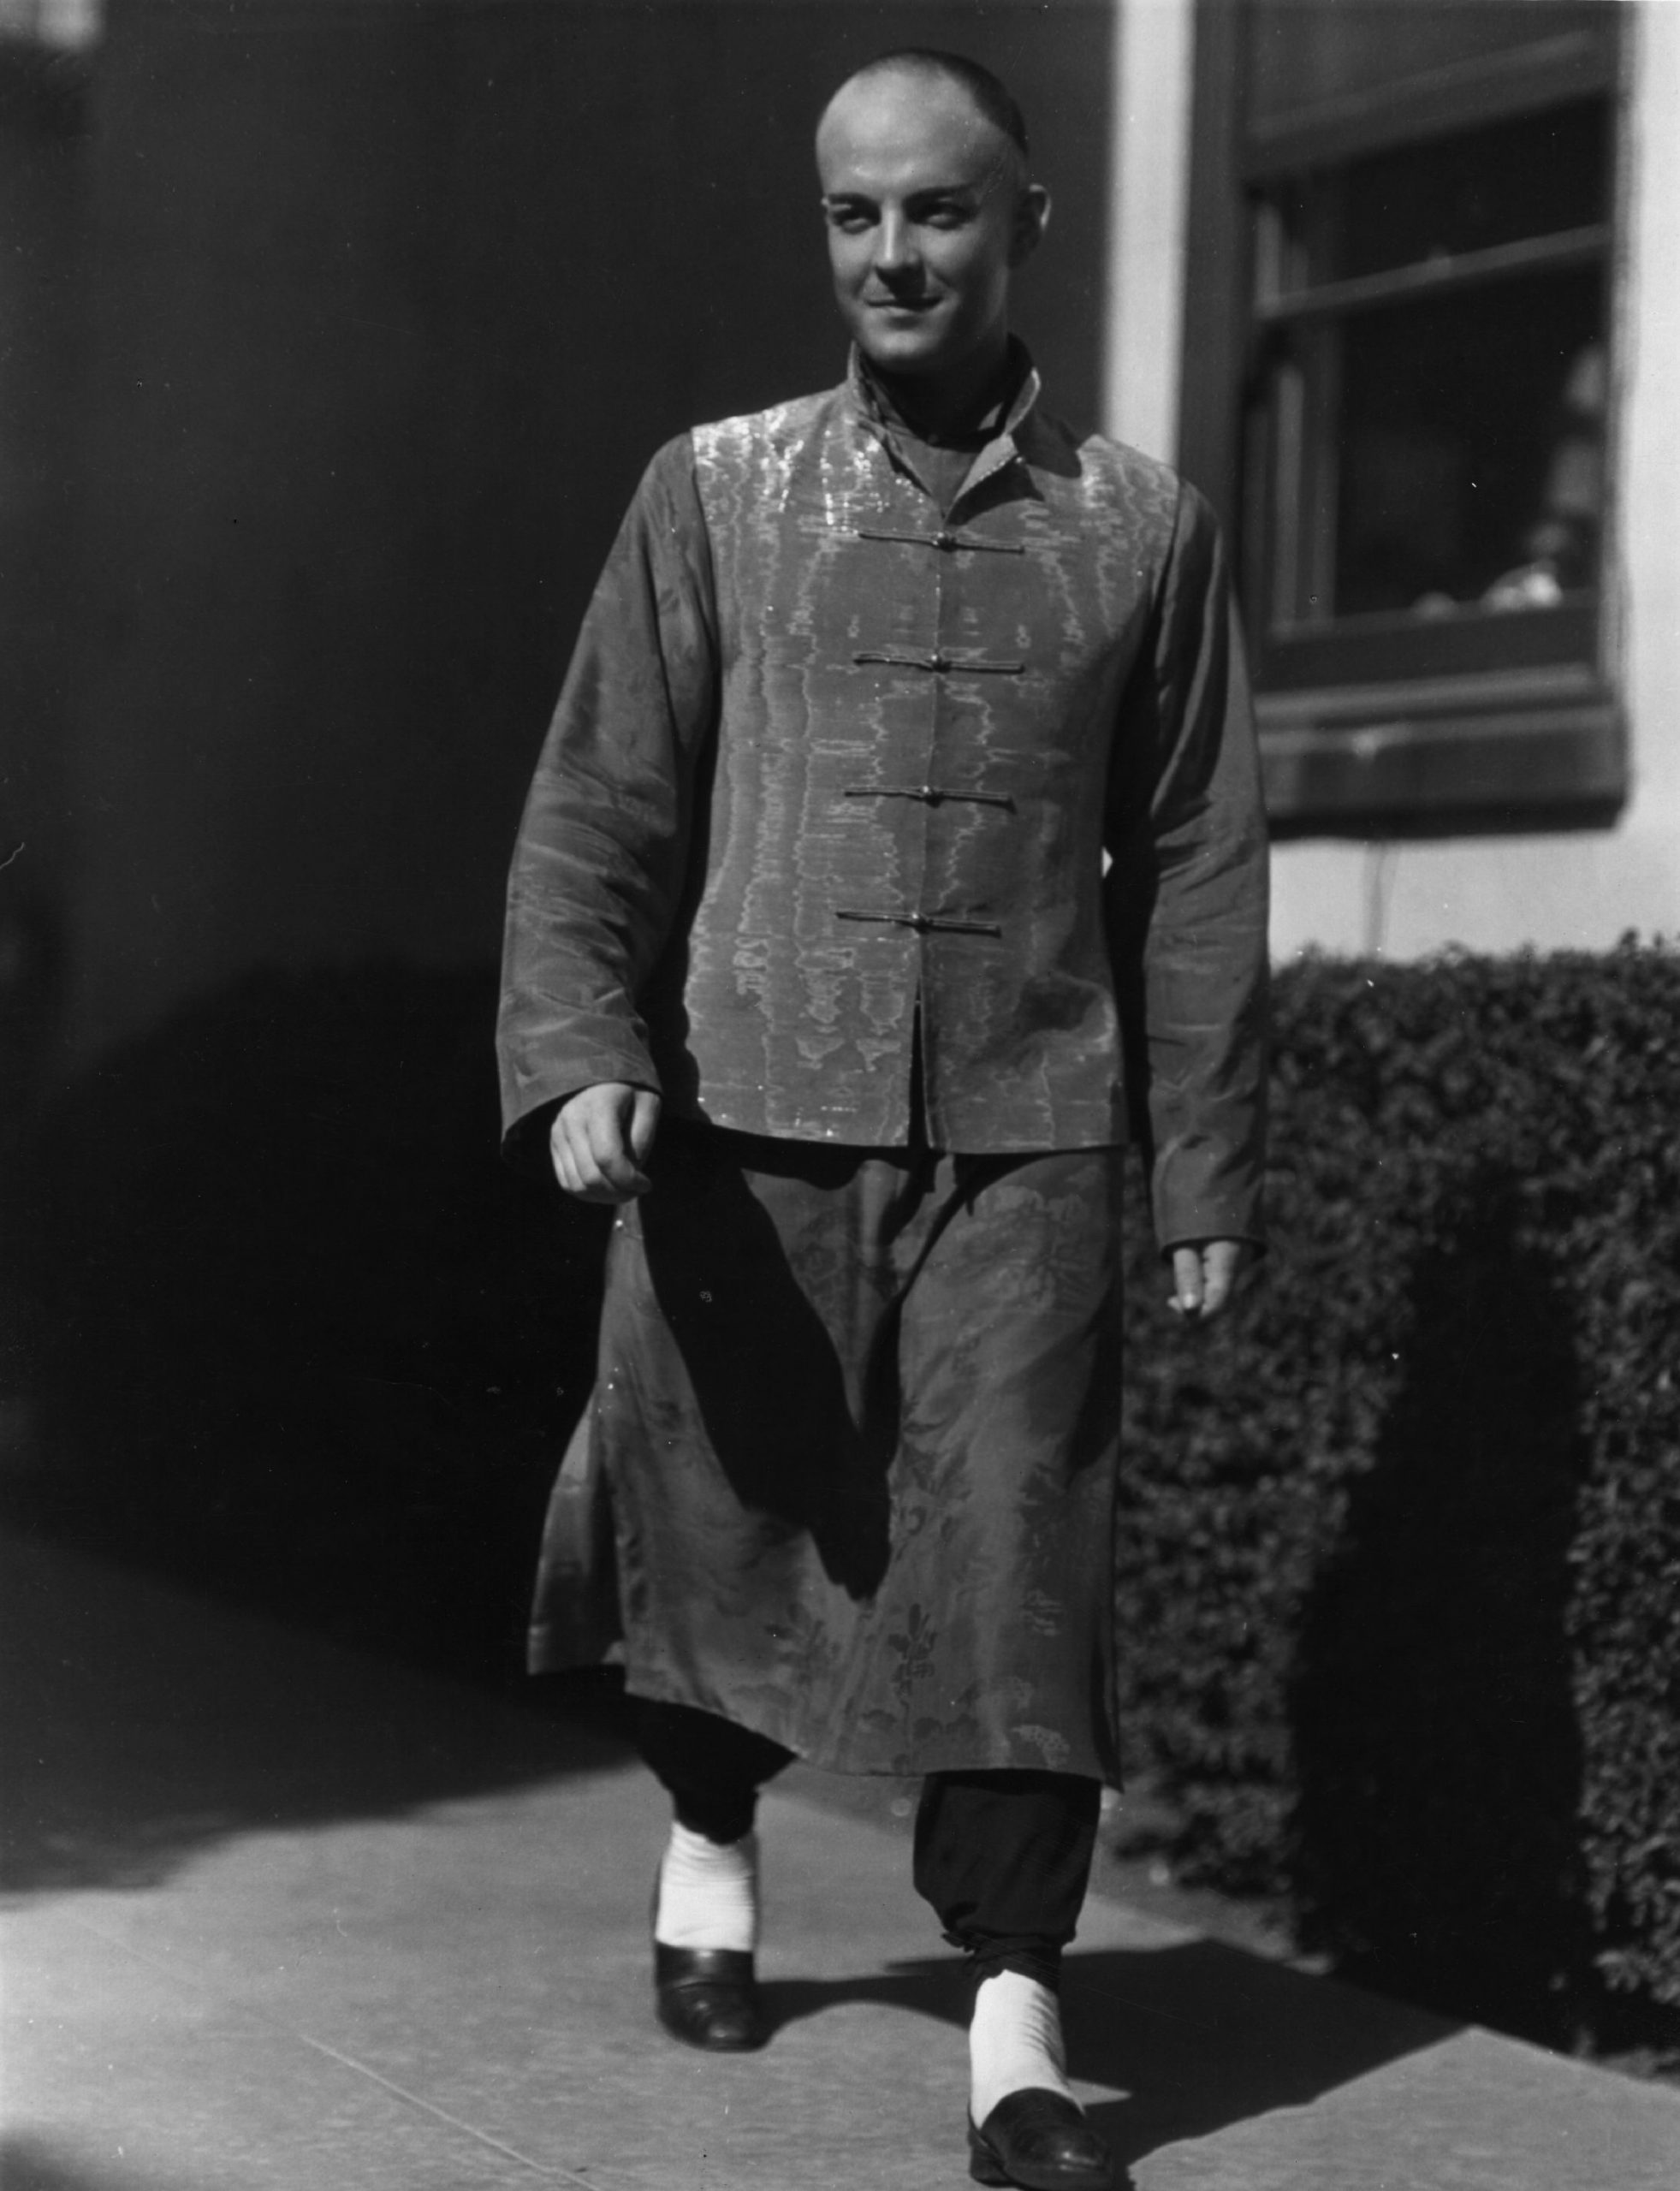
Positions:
{"x": 284, "y": 1915}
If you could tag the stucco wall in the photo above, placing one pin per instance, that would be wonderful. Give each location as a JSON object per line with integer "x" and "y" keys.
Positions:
{"x": 1576, "y": 889}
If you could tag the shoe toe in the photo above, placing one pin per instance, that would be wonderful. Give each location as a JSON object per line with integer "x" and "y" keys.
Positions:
{"x": 720, "y": 2018}
{"x": 708, "y": 1998}
{"x": 1039, "y": 2140}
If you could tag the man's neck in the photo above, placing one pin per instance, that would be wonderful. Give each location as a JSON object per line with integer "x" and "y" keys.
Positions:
{"x": 952, "y": 407}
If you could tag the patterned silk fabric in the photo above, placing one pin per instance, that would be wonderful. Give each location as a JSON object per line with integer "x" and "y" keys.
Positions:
{"x": 832, "y": 774}
{"x": 847, "y": 1475}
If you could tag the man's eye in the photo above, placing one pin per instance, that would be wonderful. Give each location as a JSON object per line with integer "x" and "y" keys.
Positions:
{"x": 851, "y": 220}
{"x": 945, "y": 216}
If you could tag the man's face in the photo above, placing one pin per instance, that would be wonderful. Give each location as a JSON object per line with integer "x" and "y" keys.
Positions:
{"x": 927, "y": 212}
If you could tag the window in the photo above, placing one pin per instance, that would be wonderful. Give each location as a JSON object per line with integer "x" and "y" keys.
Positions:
{"x": 1408, "y": 332}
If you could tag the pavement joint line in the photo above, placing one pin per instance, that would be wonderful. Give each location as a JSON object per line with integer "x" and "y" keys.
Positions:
{"x": 186, "y": 1977}
{"x": 552, "y": 2175}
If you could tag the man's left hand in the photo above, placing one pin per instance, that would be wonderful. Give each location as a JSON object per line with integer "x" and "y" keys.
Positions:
{"x": 1205, "y": 1275}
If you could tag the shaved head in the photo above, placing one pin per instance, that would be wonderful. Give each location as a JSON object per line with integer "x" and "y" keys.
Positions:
{"x": 989, "y": 94}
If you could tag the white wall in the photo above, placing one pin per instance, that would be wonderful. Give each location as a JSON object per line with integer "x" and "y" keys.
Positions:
{"x": 1149, "y": 189}
{"x": 1578, "y": 889}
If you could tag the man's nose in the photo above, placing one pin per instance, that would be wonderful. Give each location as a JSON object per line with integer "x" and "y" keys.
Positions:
{"x": 895, "y": 247}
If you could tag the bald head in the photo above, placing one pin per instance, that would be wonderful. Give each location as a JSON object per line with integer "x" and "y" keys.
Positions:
{"x": 989, "y": 95}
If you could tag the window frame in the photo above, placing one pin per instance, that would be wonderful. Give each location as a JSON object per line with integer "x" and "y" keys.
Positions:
{"x": 1393, "y": 726}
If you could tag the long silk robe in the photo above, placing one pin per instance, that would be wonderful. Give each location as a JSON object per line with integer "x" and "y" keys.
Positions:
{"x": 816, "y": 847}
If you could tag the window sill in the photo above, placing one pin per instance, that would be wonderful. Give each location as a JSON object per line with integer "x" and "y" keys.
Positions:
{"x": 1398, "y": 652}
{"x": 1530, "y": 749}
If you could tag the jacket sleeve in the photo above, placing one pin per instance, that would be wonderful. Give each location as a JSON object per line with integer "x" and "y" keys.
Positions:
{"x": 1187, "y": 901}
{"x": 602, "y": 851}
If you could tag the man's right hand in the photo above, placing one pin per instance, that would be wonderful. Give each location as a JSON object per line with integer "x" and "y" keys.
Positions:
{"x": 600, "y": 1140}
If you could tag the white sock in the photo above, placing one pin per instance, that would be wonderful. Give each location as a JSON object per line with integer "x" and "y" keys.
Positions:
{"x": 707, "y": 1892}
{"x": 1014, "y": 2040}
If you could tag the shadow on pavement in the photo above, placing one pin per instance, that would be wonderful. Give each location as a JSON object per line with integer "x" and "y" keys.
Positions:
{"x": 295, "y": 1354}
{"x": 1200, "y": 2036}
{"x": 143, "y": 1725}
{"x": 1196, "y": 2037}
{"x": 30, "y": 2163}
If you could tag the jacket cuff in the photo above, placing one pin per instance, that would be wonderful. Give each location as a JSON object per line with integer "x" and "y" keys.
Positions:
{"x": 1198, "y": 1195}
{"x": 528, "y": 1109}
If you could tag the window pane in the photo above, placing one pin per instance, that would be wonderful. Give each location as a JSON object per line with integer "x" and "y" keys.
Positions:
{"x": 1470, "y": 434}
{"x": 1428, "y": 440}
{"x": 1536, "y": 175}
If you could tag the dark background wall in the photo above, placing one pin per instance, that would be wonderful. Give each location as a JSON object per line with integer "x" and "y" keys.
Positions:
{"x": 384, "y": 305}
{"x": 339, "y": 332}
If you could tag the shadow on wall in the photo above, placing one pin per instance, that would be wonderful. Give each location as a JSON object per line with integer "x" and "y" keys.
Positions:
{"x": 296, "y": 1333}
{"x": 1437, "y": 1829}
{"x": 31, "y": 981}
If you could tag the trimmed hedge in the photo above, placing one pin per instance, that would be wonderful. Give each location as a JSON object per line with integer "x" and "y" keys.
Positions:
{"x": 1401, "y": 1566}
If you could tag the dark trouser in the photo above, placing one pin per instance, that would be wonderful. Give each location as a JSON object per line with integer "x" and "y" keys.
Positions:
{"x": 1003, "y": 1857}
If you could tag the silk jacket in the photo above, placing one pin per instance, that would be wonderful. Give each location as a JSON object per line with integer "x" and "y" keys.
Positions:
{"x": 833, "y": 775}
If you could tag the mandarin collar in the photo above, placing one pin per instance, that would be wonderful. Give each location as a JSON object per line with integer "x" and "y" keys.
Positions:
{"x": 1024, "y": 402}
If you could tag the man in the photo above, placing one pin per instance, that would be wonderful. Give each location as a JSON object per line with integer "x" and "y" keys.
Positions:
{"x": 812, "y": 871}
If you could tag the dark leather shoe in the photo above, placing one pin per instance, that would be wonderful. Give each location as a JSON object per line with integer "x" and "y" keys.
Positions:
{"x": 709, "y": 1998}
{"x": 1038, "y": 2138}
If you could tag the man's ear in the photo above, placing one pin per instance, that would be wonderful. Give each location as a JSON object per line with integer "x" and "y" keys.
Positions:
{"x": 1032, "y": 217}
